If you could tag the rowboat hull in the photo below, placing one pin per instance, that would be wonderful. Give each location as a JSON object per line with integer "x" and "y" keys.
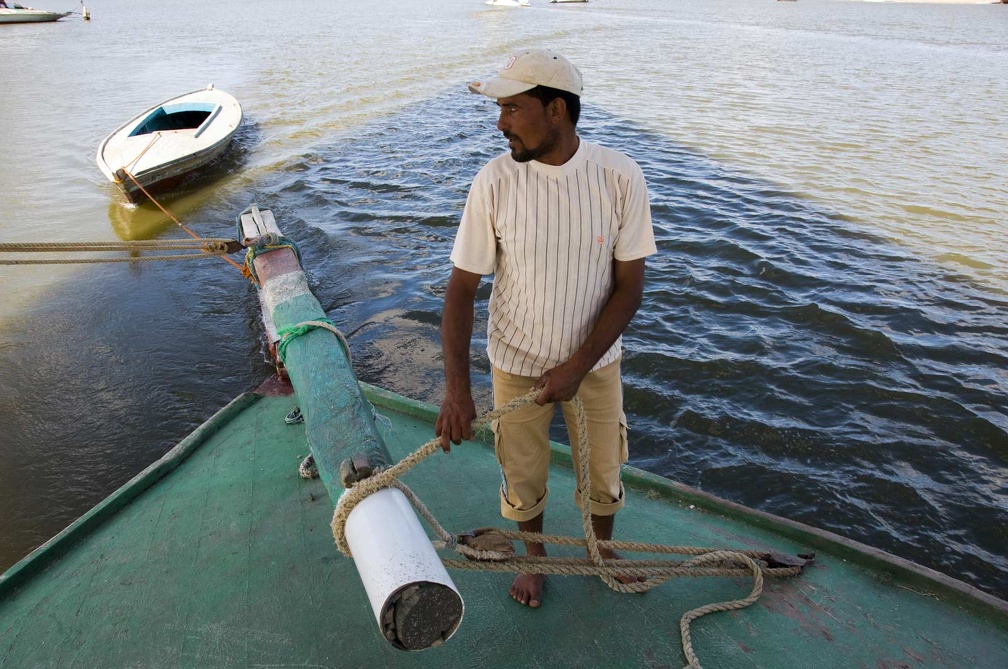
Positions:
{"x": 164, "y": 146}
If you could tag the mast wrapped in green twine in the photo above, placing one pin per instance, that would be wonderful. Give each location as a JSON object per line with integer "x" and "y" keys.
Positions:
{"x": 339, "y": 424}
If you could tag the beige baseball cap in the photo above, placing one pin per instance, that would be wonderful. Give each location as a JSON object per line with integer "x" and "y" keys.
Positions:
{"x": 528, "y": 69}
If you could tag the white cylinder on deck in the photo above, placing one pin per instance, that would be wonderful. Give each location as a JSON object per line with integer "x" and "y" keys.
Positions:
{"x": 401, "y": 570}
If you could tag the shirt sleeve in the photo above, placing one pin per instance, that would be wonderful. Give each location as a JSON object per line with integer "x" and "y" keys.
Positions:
{"x": 475, "y": 248}
{"x": 636, "y": 233}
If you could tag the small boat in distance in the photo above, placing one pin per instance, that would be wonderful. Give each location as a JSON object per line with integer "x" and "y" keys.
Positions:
{"x": 161, "y": 147}
{"x": 12, "y": 12}
{"x": 562, "y": 2}
{"x": 509, "y": 3}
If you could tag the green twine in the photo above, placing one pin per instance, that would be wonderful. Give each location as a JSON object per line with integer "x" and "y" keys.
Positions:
{"x": 272, "y": 243}
{"x": 287, "y": 335}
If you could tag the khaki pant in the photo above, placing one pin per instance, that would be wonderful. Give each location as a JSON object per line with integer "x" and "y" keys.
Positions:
{"x": 521, "y": 441}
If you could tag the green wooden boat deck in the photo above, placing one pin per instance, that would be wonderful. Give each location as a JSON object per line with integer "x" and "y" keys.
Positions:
{"x": 221, "y": 556}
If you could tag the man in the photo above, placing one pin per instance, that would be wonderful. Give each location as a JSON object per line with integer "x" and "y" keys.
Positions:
{"x": 564, "y": 227}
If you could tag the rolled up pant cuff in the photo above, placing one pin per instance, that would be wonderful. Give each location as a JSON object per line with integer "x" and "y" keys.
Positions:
{"x": 604, "y": 508}
{"x": 522, "y": 515}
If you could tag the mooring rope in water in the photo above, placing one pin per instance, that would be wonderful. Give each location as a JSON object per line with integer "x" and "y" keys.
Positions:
{"x": 706, "y": 561}
{"x": 208, "y": 247}
{"x": 167, "y": 213}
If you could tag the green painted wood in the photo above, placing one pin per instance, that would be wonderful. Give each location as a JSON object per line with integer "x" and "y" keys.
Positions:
{"x": 49, "y": 551}
{"x": 338, "y": 422}
{"x": 228, "y": 561}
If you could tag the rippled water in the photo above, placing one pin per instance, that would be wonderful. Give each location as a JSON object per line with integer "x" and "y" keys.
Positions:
{"x": 823, "y": 334}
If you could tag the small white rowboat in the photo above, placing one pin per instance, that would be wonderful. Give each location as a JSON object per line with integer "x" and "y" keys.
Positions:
{"x": 161, "y": 147}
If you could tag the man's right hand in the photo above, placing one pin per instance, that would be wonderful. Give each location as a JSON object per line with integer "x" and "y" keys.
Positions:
{"x": 454, "y": 423}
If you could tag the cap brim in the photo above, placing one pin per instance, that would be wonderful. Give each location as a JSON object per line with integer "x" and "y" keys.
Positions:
{"x": 500, "y": 88}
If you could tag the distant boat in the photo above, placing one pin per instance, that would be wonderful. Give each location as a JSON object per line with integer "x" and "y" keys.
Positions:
{"x": 159, "y": 148}
{"x": 11, "y": 12}
{"x": 509, "y": 3}
{"x": 560, "y": 2}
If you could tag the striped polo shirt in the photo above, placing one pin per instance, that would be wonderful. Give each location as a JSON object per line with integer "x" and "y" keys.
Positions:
{"x": 549, "y": 234}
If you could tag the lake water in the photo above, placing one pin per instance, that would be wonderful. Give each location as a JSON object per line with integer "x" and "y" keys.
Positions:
{"x": 824, "y": 333}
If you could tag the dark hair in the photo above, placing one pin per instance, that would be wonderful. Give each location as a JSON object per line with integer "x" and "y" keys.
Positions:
{"x": 546, "y": 95}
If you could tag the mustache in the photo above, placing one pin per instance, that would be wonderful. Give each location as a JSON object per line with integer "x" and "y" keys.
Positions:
{"x": 510, "y": 135}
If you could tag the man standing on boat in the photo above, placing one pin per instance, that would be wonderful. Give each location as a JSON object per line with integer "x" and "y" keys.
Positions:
{"x": 564, "y": 226}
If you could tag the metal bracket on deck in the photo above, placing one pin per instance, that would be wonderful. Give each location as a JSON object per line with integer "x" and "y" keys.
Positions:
{"x": 780, "y": 561}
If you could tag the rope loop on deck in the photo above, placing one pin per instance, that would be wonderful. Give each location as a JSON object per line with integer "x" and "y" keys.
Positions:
{"x": 705, "y": 562}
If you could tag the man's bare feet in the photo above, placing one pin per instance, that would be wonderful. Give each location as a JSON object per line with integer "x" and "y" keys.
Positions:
{"x": 527, "y": 589}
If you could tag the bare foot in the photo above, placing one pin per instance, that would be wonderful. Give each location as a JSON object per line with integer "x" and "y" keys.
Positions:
{"x": 527, "y": 589}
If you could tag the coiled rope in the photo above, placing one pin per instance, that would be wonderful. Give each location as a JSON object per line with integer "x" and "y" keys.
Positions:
{"x": 707, "y": 561}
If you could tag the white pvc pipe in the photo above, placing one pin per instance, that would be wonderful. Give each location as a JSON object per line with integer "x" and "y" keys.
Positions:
{"x": 392, "y": 552}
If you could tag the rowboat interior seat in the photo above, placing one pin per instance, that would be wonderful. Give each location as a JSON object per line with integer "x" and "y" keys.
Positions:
{"x": 175, "y": 117}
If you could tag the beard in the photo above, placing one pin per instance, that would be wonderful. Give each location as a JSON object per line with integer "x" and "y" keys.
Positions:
{"x": 523, "y": 154}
